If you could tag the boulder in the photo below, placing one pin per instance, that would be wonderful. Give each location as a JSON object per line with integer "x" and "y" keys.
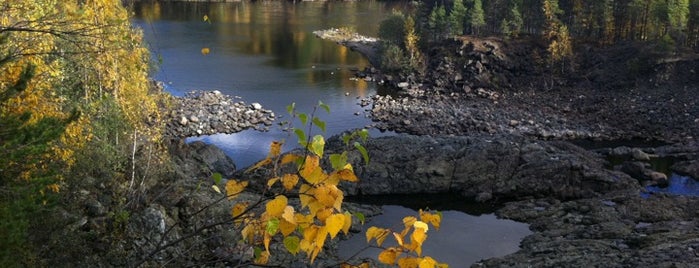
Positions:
{"x": 499, "y": 168}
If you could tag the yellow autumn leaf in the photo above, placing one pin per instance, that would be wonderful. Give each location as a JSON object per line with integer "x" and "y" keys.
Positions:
{"x": 388, "y": 256}
{"x": 275, "y": 207}
{"x": 408, "y": 223}
{"x": 302, "y": 220}
{"x": 260, "y": 164}
{"x": 314, "y": 207}
{"x": 234, "y": 187}
{"x": 338, "y": 200}
{"x": 267, "y": 238}
{"x": 431, "y": 218}
{"x": 238, "y": 209}
{"x": 286, "y": 227}
{"x": 326, "y": 195}
{"x": 347, "y": 175}
{"x": 248, "y": 233}
{"x": 306, "y": 193}
{"x": 399, "y": 238}
{"x": 310, "y": 233}
{"x": 288, "y": 158}
{"x": 427, "y": 262}
{"x": 335, "y": 223}
{"x": 319, "y": 242}
{"x": 272, "y": 181}
{"x": 311, "y": 170}
{"x": 205, "y": 51}
{"x": 274, "y": 149}
{"x": 409, "y": 262}
{"x": 379, "y": 234}
{"x": 288, "y": 214}
{"x": 417, "y": 238}
{"x": 323, "y": 214}
{"x": 289, "y": 181}
{"x": 263, "y": 258}
{"x": 420, "y": 225}
{"x": 347, "y": 223}
{"x": 306, "y": 246}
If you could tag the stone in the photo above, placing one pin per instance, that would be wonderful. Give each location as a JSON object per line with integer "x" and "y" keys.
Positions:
{"x": 256, "y": 106}
{"x": 403, "y": 85}
{"x": 194, "y": 119}
{"x": 639, "y": 155}
{"x": 183, "y": 121}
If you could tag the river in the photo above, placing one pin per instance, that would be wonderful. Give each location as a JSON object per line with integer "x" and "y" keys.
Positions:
{"x": 265, "y": 52}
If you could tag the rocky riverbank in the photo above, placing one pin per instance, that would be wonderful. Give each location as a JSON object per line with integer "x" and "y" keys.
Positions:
{"x": 212, "y": 112}
{"x": 496, "y": 127}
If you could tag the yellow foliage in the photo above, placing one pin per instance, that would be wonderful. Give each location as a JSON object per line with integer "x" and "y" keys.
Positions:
{"x": 289, "y": 214}
{"x": 306, "y": 193}
{"x": 434, "y": 219}
{"x": 377, "y": 233}
{"x": 389, "y": 256}
{"x": 286, "y": 227}
{"x": 334, "y": 224}
{"x": 347, "y": 223}
{"x": 238, "y": 209}
{"x": 275, "y": 207}
{"x": 289, "y": 181}
{"x": 288, "y": 158}
{"x": 234, "y": 188}
{"x": 320, "y": 214}
{"x": 274, "y": 149}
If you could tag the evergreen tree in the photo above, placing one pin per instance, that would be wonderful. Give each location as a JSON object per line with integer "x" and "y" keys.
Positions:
{"x": 438, "y": 23}
{"x": 476, "y": 17}
{"x": 457, "y": 17}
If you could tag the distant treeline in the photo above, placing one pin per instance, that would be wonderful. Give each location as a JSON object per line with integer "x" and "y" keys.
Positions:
{"x": 602, "y": 21}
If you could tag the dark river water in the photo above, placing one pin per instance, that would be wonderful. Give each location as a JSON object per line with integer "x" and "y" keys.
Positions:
{"x": 265, "y": 52}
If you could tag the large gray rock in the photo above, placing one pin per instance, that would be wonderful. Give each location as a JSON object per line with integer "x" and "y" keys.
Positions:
{"x": 503, "y": 168}
{"x": 201, "y": 159}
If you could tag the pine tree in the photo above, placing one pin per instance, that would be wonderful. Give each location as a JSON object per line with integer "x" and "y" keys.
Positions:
{"x": 476, "y": 17}
{"x": 457, "y": 17}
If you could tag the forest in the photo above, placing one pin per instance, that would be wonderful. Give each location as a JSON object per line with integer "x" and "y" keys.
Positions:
{"x": 603, "y": 22}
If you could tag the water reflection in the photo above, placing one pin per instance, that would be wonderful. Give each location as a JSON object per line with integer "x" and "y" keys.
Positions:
{"x": 677, "y": 185}
{"x": 462, "y": 239}
{"x": 263, "y": 51}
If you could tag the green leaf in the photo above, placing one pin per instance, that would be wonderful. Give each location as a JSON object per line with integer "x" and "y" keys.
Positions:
{"x": 363, "y": 151}
{"x": 290, "y": 108}
{"x": 338, "y": 161}
{"x": 319, "y": 123}
{"x": 272, "y": 226}
{"x": 258, "y": 251}
{"x": 317, "y": 145}
{"x": 304, "y": 118}
{"x": 217, "y": 177}
{"x": 364, "y": 134}
{"x": 301, "y": 135}
{"x": 346, "y": 138}
{"x": 360, "y": 217}
{"x": 292, "y": 244}
{"x": 324, "y": 106}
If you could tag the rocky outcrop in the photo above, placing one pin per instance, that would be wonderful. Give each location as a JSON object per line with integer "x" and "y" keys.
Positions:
{"x": 616, "y": 230}
{"x": 211, "y": 112}
{"x": 500, "y": 168}
{"x": 367, "y": 46}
